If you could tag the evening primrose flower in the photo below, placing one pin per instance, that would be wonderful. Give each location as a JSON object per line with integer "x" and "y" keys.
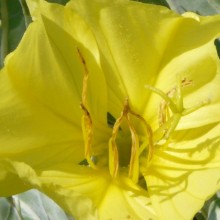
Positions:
{"x": 111, "y": 107}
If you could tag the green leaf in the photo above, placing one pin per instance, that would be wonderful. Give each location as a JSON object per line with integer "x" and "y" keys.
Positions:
{"x": 217, "y": 46}
{"x": 13, "y": 24}
{"x": 8, "y": 210}
{"x": 31, "y": 205}
{"x": 215, "y": 4}
{"x": 5, "y": 208}
{"x": 35, "y": 205}
{"x": 12, "y": 28}
{"x": 202, "y": 7}
{"x": 214, "y": 210}
{"x": 199, "y": 216}
{"x": 16, "y": 23}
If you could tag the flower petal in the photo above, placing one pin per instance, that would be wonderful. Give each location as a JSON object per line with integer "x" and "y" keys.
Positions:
{"x": 121, "y": 195}
{"x": 140, "y": 50}
{"x": 193, "y": 58}
{"x": 83, "y": 192}
{"x": 120, "y": 28}
{"x": 41, "y": 92}
{"x": 33, "y": 6}
{"x": 178, "y": 177}
{"x": 38, "y": 106}
{"x": 62, "y": 21}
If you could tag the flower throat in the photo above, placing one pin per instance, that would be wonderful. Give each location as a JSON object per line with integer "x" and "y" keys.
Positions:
{"x": 141, "y": 146}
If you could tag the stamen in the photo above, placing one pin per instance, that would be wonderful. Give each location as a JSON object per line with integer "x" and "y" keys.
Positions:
{"x": 167, "y": 123}
{"x": 85, "y": 78}
{"x": 164, "y": 96}
{"x": 149, "y": 132}
{"x": 113, "y": 151}
{"x": 135, "y": 151}
{"x": 113, "y": 158}
{"x": 86, "y": 118}
{"x": 176, "y": 107}
{"x": 164, "y": 113}
{"x": 88, "y": 133}
{"x": 179, "y": 95}
{"x": 173, "y": 124}
{"x": 134, "y": 160}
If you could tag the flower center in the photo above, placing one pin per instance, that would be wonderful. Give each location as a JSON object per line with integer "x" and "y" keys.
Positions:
{"x": 135, "y": 143}
{"x": 127, "y": 146}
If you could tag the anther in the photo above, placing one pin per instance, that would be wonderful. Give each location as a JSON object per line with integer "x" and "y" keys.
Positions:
{"x": 149, "y": 132}
{"x": 134, "y": 160}
{"x": 135, "y": 149}
{"x": 88, "y": 133}
{"x": 86, "y": 118}
{"x": 113, "y": 151}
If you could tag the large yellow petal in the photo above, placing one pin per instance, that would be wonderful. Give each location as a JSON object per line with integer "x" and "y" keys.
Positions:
{"x": 39, "y": 113}
{"x": 185, "y": 173}
{"x": 125, "y": 33}
{"x": 62, "y": 21}
{"x": 150, "y": 45}
{"x": 41, "y": 92}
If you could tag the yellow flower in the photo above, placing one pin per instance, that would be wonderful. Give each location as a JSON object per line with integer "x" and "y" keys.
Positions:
{"x": 111, "y": 107}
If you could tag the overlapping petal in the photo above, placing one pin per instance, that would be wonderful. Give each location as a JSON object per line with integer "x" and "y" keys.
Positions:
{"x": 125, "y": 36}
{"x": 40, "y": 96}
{"x": 148, "y": 45}
{"x": 121, "y": 195}
{"x": 82, "y": 39}
{"x": 85, "y": 193}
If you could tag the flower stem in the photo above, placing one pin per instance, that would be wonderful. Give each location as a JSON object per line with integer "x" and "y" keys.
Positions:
{"x": 4, "y": 38}
{"x": 26, "y": 13}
